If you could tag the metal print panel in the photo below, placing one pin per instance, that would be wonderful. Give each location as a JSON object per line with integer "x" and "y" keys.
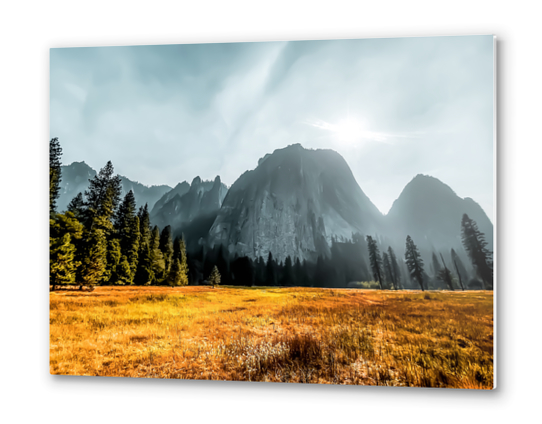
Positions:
{"x": 301, "y": 212}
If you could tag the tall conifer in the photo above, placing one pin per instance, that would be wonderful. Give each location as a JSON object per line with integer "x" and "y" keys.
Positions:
{"x": 414, "y": 262}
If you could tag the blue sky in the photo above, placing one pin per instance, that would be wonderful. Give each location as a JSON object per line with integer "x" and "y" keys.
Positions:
{"x": 394, "y": 108}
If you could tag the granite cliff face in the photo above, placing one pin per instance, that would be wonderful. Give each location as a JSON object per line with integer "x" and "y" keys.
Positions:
{"x": 292, "y": 204}
{"x": 181, "y": 207}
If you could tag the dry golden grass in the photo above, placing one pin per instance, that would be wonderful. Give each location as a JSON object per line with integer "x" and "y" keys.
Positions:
{"x": 438, "y": 339}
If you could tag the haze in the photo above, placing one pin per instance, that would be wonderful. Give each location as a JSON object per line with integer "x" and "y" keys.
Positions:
{"x": 393, "y": 108}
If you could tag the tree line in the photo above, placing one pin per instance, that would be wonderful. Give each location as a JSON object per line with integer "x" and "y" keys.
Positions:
{"x": 102, "y": 239}
{"x": 386, "y": 270}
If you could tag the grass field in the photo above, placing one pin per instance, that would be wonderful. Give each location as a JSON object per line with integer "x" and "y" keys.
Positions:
{"x": 302, "y": 335}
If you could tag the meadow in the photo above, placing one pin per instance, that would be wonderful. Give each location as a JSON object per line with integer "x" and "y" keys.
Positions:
{"x": 299, "y": 335}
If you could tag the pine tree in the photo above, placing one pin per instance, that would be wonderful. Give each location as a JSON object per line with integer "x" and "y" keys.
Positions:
{"x": 260, "y": 272}
{"x": 157, "y": 258}
{"x": 95, "y": 258}
{"x": 298, "y": 273}
{"x": 77, "y": 207}
{"x": 270, "y": 274}
{"x": 166, "y": 247}
{"x": 475, "y": 245}
{"x": 124, "y": 272}
{"x": 144, "y": 274}
{"x": 124, "y": 214}
{"x": 114, "y": 256}
{"x": 395, "y": 268}
{"x": 388, "y": 271}
{"x": 60, "y": 250}
{"x": 214, "y": 278}
{"x": 176, "y": 249}
{"x": 144, "y": 224}
{"x": 55, "y": 173}
{"x": 288, "y": 277}
{"x": 102, "y": 199}
{"x": 179, "y": 275}
{"x": 459, "y": 269}
{"x": 62, "y": 263}
{"x": 445, "y": 275}
{"x": 319, "y": 276}
{"x": 130, "y": 246}
{"x": 127, "y": 230}
{"x": 375, "y": 260}
{"x": 414, "y": 262}
{"x": 436, "y": 265}
{"x": 175, "y": 276}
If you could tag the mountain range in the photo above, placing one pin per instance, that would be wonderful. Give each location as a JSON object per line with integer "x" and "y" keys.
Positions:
{"x": 294, "y": 203}
{"x": 76, "y": 176}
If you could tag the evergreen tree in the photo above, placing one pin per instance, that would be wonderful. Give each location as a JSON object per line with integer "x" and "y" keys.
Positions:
{"x": 157, "y": 258}
{"x": 298, "y": 273}
{"x": 288, "y": 273}
{"x": 445, "y": 275}
{"x": 114, "y": 256}
{"x": 124, "y": 273}
{"x": 77, "y": 207}
{"x": 55, "y": 173}
{"x": 176, "y": 249}
{"x": 414, "y": 262}
{"x": 436, "y": 265}
{"x": 475, "y": 245}
{"x": 183, "y": 263}
{"x": 62, "y": 263}
{"x": 375, "y": 260}
{"x": 459, "y": 269}
{"x": 388, "y": 271}
{"x": 259, "y": 272}
{"x": 125, "y": 214}
{"x": 176, "y": 277}
{"x": 319, "y": 276}
{"x": 166, "y": 247}
{"x": 102, "y": 199}
{"x": 144, "y": 224}
{"x": 61, "y": 250}
{"x": 144, "y": 274}
{"x": 130, "y": 246}
{"x": 214, "y": 278}
{"x": 63, "y": 223}
{"x": 395, "y": 268}
{"x": 270, "y": 274}
{"x": 94, "y": 258}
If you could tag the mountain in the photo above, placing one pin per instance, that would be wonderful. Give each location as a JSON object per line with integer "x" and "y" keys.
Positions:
{"x": 75, "y": 179}
{"x": 292, "y": 204}
{"x": 430, "y": 212}
{"x": 180, "y": 206}
{"x": 180, "y": 189}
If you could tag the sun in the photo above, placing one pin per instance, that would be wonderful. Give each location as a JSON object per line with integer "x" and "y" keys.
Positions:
{"x": 350, "y": 130}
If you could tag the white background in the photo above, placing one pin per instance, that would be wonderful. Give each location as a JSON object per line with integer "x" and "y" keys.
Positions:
{"x": 29, "y": 29}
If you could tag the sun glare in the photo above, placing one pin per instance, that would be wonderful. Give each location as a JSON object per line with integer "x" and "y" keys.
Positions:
{"x": 350, "y": 130}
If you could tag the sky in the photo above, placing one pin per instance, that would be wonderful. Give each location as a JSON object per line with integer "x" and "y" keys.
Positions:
{"x": 393, "y": 108}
